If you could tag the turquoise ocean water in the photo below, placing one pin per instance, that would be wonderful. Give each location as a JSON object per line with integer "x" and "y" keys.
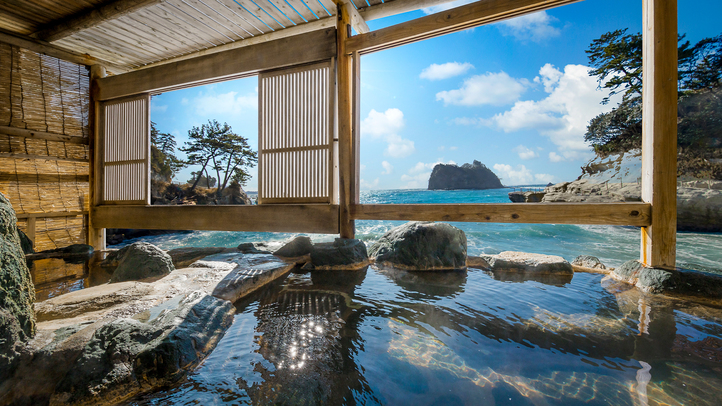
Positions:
{"x": 612, "y": 244}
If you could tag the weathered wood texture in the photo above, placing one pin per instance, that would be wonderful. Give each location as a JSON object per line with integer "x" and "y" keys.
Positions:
{"x": 311, "y": 47}
{"x": 659, "y": 132}
{"x": 95, "y": 236}
{"x": 43, "y": 131}
{"x": 344, "y": 83}
{"x": 90, "y": 18}
{"x": 308, "y": 218}
{"x": 453, "y": 20}
{"x": 625, "y": 214}
{"x": 295, "y": 135}
{"x": 356, "y": 21}
{"x": 391, "y": 8}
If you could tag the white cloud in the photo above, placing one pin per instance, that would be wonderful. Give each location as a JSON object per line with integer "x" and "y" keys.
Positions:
{"x": 490, "y": 88}
{"x": 226, "y": 103}
{"x": 362, "y": 167}
{"x": 554, "y": 157}
{"x": 155, "y": 108}
{"x": 544, "y": 178}
{"x": 453, "y": 148}
{"x": 447, "y": 6}
{"x": 369, "y": 185}
{"x": 563, "y": 115}
{"x": 385, "y": 126}
{"x": 536, "y": 27}
{"x": 388, "y": 168}
{"x": 445, "y": 70}
{"x": 184, "y": 101}
{"x": 441, "y": 148}
{"x": 525, "y": 153}
{"x": 418, "y": 175}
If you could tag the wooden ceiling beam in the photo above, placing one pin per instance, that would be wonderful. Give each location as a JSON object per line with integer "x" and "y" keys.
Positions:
{"x": 392, "y": 8}
{"x": 456, "y": 19}
{"x": 45, "y": 48}
{"x": 357, "y": 22}
{"x": 88, "y": 19}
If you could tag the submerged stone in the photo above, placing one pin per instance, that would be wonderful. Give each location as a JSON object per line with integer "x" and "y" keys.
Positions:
{"x": 588, "y": 261}
{"x": 140, "y": 260}
{"x": 183, "y": 257}
{"x": 675, "y": 281}
{"x": 254, "y": 248}
{"x": 422, "y": 246}
{"x": 527, "y": 262}
{"x": 342, "y": 254}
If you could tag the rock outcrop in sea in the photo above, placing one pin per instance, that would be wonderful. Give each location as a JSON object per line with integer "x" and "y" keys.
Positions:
{"x": 467, "y": 176}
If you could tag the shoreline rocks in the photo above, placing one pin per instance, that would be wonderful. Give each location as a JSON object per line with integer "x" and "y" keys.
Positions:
{"x": 522, "y": 262}
{"x": 674, "y": 281}
{"x": 137, "y": 261}
{"x": 421, "y": 246}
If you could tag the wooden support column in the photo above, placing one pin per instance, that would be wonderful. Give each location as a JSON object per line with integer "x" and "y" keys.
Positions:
{"x": 356, "y": 134}
{"x": 659, "y": 132}
{"x": 30, "y": 231}
{"x": 96, "y": 236}
{"x": 344, "y": 83}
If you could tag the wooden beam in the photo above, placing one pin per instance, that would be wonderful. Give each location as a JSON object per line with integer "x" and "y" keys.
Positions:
{"x": 355, "y": 20}
{"x": 659, "y": 132}
{"x": 96, "y": 235}
{"x": 395, "y": 7}
{"x": 44, "y": 157}
{"x": 40, "y": 135}
{"x": 328, "y": 22}
{"x": 309, "y": 218}
{"x": 46, "y": 48}
{"x": 42, "y": 215}
{"x": 622, "y": 214}
{"x": 344, "y": 82}
{"x": 90, "y": 18}
{"x": 356, "y": 129}
{"x": 306, "y": 48}
{"x": 453, "y": 20}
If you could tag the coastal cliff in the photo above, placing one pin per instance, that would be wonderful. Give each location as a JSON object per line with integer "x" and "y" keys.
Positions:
{"x": 617, "y": 178}
{"x": 467, "y": 176}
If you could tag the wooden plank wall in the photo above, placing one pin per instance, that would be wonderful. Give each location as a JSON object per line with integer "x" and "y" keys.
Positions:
{"x": 44, "y": 103}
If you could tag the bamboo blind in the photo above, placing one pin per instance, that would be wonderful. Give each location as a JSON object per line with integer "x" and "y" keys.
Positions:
{"x": 126, "y": 150}
{"x": 42, "y": 93}
{"x": 295, "y": 135}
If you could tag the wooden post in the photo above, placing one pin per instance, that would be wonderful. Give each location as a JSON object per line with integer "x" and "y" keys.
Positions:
{"x": 659, "y": 132}
{"x": 30, "y": 231}
{"x": 96, "y": 236}
{"x": 356, "y": 141}
{"x": 345, "y": 122}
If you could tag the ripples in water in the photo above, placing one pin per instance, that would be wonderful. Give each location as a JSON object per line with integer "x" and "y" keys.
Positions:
{"x": 385, "y": 336}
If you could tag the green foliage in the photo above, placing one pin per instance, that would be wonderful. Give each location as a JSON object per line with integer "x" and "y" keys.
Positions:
{"x": 204, "y": 181}
{"x": 617, "y": 61}
{"x": 215, "y": 147}
{"x": 163, "y": 162}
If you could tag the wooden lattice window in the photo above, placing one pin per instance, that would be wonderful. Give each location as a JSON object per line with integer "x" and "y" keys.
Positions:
{"x": 125, "y": 151}
{"x": 295, "y": 135}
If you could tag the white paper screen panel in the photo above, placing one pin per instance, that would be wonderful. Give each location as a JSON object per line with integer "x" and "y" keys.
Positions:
{"x": 126, "y": 150}
{"x": 295, "y": 135}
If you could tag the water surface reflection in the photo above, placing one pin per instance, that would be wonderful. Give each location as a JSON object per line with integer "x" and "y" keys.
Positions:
{"x": 384, "y": 336}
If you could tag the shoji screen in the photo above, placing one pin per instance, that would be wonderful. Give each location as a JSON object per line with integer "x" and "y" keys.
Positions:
{"x": 126, "y": 150}
{"x": 295, "y": 135}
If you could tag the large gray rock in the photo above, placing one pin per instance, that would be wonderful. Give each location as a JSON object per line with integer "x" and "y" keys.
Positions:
{"x": 183, "y": 257}
{"x": 17, "y": 292}
{"x": 342, "y": 254}
{"x": 468, "y": 176}
{"x": 524, "y": 262}
{"x": 421, "y": 246}
{"x": 140, "y": 260}
{"x": 153, "y": 349}
{"x": 679, "y": 282}
{"x": 297, "y": 247}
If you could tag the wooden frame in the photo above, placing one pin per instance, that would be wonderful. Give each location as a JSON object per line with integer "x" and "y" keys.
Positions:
{"x": 232, "y": 64}
{"x": 622, "y": 214}
{"x": 309, "y": 218}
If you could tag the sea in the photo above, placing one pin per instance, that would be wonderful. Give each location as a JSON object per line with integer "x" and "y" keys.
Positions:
{"x": 613, "y": 245}
{"x": 382, "y": 336}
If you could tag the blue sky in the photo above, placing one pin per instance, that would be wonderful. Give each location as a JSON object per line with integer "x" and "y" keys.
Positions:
{"x": 514, "y": 95}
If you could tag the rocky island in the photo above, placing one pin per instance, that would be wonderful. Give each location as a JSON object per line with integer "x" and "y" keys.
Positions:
{"x": 466, "y": 176}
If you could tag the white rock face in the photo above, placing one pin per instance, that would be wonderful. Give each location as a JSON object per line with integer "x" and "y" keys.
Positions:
{"x": 531, "y": 263}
